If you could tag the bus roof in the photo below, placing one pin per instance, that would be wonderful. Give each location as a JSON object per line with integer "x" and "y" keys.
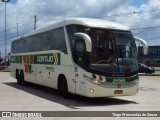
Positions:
{"x": 98, "y": 23}
{"x": 89, "y": 22}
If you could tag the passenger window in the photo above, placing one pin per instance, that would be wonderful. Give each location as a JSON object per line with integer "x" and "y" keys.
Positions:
{"x": 58, "y": 40}
{"x": 49, "y": 40}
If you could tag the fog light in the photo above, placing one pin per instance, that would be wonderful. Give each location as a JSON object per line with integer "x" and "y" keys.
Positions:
{"x": 91, "y": 90}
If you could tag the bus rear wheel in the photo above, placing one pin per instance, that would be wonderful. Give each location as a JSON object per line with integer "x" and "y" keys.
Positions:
{"x": 18, "y": 77}
{"x": 22, "y": 78}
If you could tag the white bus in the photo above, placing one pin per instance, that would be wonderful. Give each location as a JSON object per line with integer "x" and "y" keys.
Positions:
{"x": 88, "y": 57}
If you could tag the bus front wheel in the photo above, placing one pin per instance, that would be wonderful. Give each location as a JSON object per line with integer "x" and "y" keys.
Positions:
{"x": 63, "y": 87}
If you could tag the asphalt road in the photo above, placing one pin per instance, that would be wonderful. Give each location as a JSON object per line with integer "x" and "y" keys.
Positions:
{"x": 37, "y": 98}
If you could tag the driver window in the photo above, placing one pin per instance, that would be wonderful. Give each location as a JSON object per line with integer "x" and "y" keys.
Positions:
{"x": 100, "y": 42}
{"x": 103, "y": 46}
{"x": 80, "y": 53}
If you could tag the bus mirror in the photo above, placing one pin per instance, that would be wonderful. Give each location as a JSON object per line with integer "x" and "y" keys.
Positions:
{"x": 87, "y": 40}
{"x": 144, "y": 43}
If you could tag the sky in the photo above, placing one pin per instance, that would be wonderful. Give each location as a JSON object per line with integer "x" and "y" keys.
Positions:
{"x": 142, "y": 16}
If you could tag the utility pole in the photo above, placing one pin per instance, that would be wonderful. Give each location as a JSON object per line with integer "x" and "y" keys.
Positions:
{"x": 5, "y": 2}
{"x": 35, "y": 22}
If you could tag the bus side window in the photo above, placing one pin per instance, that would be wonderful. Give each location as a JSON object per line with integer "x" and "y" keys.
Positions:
{"x": 13, "y": 47}
{"x": 58, "y": 40}
{"x": 46, "y": 41}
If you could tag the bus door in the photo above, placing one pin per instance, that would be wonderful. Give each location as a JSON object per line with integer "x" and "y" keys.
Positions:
{"x": 80, "y": 63}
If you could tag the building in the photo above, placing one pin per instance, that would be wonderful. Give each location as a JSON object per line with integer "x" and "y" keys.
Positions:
{"x": 152, "y": 58}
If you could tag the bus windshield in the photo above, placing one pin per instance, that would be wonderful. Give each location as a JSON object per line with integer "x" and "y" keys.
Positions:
{"x": 113, "y": 51}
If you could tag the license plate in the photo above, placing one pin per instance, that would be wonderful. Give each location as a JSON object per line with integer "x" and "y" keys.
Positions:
{"x": 118, "y": 92}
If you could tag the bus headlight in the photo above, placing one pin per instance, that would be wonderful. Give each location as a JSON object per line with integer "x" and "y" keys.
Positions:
{"x": 93, "y": 80}
{"x": 87, "y": 78}
{"x": 97, "y": 81}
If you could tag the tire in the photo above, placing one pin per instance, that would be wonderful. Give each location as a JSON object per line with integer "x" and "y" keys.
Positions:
{"x": 22, "y": 78}
{"x": 64, "y": 89}
{"x": 18, "y": 78}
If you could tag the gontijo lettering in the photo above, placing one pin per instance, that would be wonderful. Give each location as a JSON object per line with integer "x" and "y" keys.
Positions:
{"x": 45, "y": 59}
{"x": 50, "y": 58}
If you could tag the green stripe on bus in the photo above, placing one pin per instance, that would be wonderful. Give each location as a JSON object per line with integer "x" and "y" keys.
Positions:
{"x": 16, "y": 59}
{"x": 29, "y": 68}
{"x": 59, "y": 58}
{"x": 126, "y": 79}
{"x": 28, "y": 59}
{"x": 50, "y": 58}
